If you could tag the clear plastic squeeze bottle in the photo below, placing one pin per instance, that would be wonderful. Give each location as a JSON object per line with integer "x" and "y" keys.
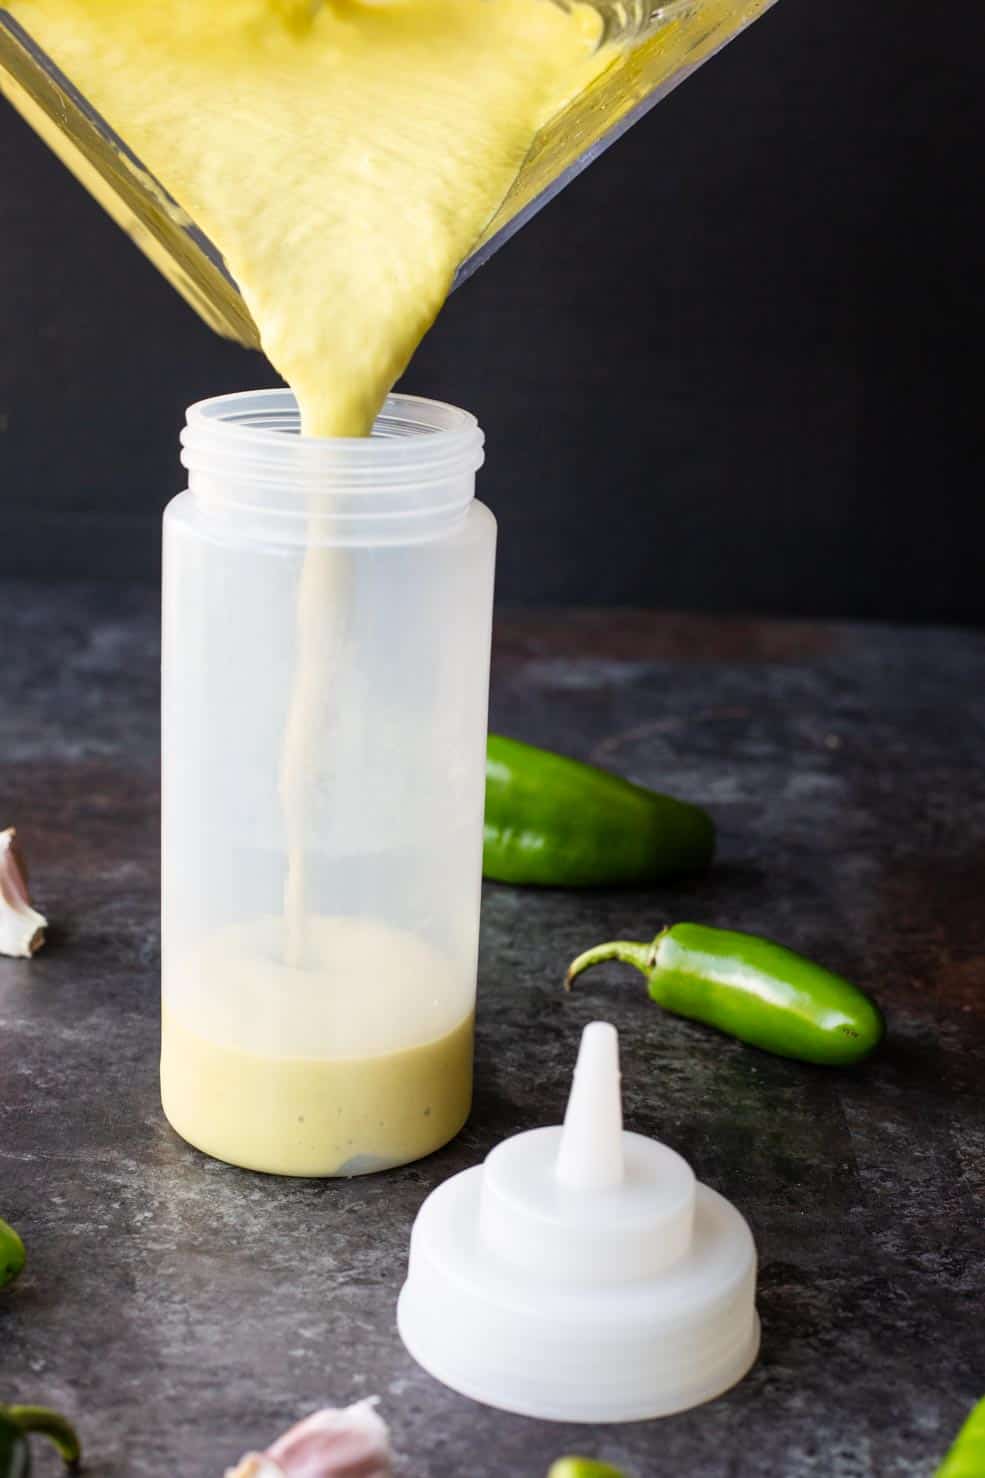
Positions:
{"x": 327, "y": 613}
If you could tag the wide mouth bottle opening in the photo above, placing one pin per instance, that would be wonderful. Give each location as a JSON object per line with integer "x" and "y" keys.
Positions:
{"x": 412, "y": 475}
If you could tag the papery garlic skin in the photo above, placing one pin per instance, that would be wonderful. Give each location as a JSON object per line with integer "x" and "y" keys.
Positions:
{"x": 21, "y": 926}
{"x": 350, "y": 1443}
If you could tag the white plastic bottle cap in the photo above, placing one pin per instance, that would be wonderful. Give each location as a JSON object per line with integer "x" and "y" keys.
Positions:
{"x": 581, "y": 1274}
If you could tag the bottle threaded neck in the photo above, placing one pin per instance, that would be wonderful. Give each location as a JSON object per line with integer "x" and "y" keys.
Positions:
{"x": 414, "y": 474}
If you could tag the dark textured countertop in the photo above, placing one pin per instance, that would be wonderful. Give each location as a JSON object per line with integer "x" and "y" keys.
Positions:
{"x": 184, "y": 1311}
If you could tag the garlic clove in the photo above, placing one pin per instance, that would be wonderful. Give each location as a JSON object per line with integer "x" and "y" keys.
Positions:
{"x": 351, "y": 1443}
{"x": 21, "y": 926}
{"x": 255, "y": 1465}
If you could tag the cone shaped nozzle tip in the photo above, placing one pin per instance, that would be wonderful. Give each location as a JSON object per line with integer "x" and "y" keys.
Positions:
{"x": 591, "y": 1153}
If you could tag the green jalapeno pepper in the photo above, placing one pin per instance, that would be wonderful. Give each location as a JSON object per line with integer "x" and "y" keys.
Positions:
{"x": 17, "y": 1423}
{"x": 752, "y": 989}
{"x": 582, "y": 1467}
{"x": 559, "y": 823}
{"x": 966, "y": 1458}
{"x": 12, "y": 1256}
{"x": 15, "y": 1460}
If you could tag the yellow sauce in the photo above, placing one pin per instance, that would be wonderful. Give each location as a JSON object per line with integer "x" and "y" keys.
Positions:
{"x": 344, "y": 157}
{"x": 315, "y": 1115}
{"x": 358, "y": 1061}
{"x": 343, "y": 163}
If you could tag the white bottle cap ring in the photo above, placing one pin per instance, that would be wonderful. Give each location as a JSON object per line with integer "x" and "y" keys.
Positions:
{"x": 581, "y": 1274}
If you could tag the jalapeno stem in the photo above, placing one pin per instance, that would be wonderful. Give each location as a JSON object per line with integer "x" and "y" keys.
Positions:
{"x": 627, "y": 951}
{"x": 39, "y": 1421}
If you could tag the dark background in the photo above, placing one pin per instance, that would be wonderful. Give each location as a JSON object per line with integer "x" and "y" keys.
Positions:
{"x": 735, "y": 366}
